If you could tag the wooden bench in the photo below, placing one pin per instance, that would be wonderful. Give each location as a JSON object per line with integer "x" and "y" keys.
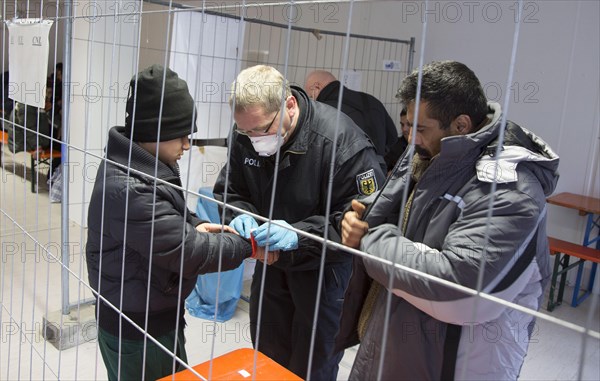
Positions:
{"x": 562, "y": 266}
{"x": 41, "y": 156}
{"x": 38, "y": 156}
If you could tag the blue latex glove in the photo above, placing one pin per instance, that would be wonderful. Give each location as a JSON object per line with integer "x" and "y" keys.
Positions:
{"x": 279, "y": 238}
{"x": 243, "y": 224}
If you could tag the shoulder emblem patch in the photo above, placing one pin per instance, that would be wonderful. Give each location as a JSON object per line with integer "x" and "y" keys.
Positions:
{"x": 366, "y": 182}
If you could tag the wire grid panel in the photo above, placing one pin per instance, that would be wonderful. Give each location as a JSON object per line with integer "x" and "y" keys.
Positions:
{"x": 32, "y": 243}
{"x": 265, "y": 43}
{"x": 31, "y": 275}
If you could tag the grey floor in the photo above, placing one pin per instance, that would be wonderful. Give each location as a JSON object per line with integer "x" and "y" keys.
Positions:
{"x": 30, "y": 290}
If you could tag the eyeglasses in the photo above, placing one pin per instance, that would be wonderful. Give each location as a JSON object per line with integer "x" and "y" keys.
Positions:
{"x": 258, "y": 131}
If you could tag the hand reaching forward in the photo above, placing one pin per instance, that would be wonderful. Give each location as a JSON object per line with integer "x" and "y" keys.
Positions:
{"x": 215, "y": 228}
{"x": 353, "y": 228}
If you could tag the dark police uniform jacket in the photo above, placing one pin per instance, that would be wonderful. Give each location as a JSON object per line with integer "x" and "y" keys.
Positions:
{"x": 303, "y": 179}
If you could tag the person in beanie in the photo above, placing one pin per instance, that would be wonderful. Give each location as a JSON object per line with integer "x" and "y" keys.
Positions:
{"x": 145, "y": 248}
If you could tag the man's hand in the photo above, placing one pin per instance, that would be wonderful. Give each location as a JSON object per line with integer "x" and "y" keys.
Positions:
{"x": 271, "y": 258}
{"x": 215, "y": 228}
{"x": 353, "y": 228}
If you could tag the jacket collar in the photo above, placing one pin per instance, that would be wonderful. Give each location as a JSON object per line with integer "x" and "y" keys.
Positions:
{"x": 298, "y": 142}
{"x": 479, "y": 148}
{"x": 459, "y": 147}
{"x": 333, "y": 88}
{"x": 519, "y": 147}
{"x": 117, "y": 149}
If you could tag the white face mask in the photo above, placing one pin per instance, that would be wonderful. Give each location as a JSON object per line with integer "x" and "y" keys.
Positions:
{"x": 266, "y": 145}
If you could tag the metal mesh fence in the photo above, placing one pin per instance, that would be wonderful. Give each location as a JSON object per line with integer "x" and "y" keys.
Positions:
{"x": 47, "y": 303}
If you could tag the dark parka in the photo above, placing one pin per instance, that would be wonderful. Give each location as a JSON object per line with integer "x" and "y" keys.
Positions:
{"x": 368, "y": 113}
{"x": 160, "y": 230}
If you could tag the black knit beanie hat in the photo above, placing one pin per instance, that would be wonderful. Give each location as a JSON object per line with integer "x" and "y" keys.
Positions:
{"x": 177, "y": 111}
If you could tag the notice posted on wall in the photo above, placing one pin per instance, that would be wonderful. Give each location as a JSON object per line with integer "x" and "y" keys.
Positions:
{"x": 28, "y": 60}
{"x": 352, "y": 79}
{"x": 392, "y": 65}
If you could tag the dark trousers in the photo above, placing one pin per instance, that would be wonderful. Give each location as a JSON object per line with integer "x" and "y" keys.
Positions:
{"x": 288, "y": 307}
{"x": 158, "y": 362}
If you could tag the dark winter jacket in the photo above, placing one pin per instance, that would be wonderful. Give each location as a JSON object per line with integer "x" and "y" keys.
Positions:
{"x": 139, "y": 232}
{"x": 435, "y": 331}
{"x": 368, "y": 113}
{"x": 303, "y": 179}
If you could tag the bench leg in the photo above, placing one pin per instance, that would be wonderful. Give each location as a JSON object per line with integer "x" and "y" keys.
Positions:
{"x": 592, "y": 276}
{"x": 33, "y": 174}
{"x": 576, "y": 300}
{"x": 551, "y": 302}
{"x": 563, "y": 277}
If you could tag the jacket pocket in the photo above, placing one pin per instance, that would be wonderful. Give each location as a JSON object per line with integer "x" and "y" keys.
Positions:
{"x": 335, "y": 281}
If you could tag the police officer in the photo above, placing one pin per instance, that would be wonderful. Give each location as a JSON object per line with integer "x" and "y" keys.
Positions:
{"x": 281, "y": 135}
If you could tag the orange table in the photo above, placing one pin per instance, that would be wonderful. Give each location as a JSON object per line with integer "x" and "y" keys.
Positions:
{"x": 237, "y": 366}
{"x": 590, "y": 207}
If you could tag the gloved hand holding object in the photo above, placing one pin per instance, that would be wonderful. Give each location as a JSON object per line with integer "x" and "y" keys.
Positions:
{"x": 279, "y": 237}
{"x": 259, "y": 253}
{"x": 243, "y": 224}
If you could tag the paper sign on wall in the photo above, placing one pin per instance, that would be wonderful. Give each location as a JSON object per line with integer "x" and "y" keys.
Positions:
{"x": 28, "y": 60}
{"x": 352, "y": 79}
{"x": 391, "y": 65}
